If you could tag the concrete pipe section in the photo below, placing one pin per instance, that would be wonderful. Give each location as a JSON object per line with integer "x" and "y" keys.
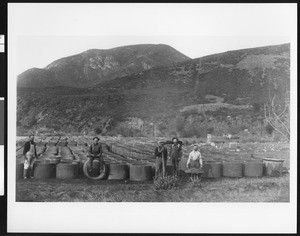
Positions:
{"x": 67, "y": 170}
{"x": 233, "y": 169}
{"x": 273, "y": 167}
{"x": 118, "y": 171}
{"x": 212, "y": 169}
{"x": 96, "y": 174}
{"x": 19, "y": 171}
{"x": 44, "y": 170}
{"x": 80, "y": 167}
{"x": 253, "y": 168}
{"x": 139, "y": 172}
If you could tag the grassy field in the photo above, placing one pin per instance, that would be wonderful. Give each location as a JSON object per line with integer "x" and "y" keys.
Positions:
{"x": 266, "y": 189}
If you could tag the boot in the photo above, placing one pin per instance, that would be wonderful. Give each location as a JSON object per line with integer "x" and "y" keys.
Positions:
{"x": 25, "y": 173}
{"x": 31, "y": 176}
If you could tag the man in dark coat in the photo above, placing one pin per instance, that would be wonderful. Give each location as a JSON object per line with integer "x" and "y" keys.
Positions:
{"x": 175, "y": 154}
{"x": 95, "y": 152}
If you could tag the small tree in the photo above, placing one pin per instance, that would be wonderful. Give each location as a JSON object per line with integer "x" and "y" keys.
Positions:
{"x": 278, "y": 116}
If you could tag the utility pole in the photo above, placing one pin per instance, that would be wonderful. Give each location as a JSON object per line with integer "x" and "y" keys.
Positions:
{"x": 197, "y": 68}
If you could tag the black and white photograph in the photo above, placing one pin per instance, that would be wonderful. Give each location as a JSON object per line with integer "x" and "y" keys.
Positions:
{"x": 146, "y": 110}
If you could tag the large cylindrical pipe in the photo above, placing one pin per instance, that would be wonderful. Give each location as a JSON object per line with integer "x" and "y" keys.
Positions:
{"x": 273, "y": 167}
{"x": 19, "y": 170}
{"x": 253, "y": 169}
{"x": 140, "y": 172}
{"x": 44, "y": 170}
{"x": 118, "y": 171}
{"x": 233, "y": 169}
{"x": 212, "y": 169}
{"x": 67, "y": 170}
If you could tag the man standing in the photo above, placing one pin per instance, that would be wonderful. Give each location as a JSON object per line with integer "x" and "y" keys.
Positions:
{"x": 29, "y": 155}
{"x": 161, "y": 154}
{"x": 175, "y": 154}
{"x": 95, "y": 152}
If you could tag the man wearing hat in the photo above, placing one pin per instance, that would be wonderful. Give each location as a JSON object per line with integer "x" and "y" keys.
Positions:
{"x": 95, "y": 151}
{"x": 161, "y": 154}
{"x": 175, "y": 154}
{"x": 29, "y": 155}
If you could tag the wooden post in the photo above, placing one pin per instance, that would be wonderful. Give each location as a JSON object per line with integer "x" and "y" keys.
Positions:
{"x": 163, "y": 163}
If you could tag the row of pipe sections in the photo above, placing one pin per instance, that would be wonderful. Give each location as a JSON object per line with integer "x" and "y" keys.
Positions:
{"x": 65, "y": 160}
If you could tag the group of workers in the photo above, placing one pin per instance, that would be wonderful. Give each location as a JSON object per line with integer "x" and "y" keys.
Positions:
{"x": 95, "y": 152}
{"x": 175, "y": 154}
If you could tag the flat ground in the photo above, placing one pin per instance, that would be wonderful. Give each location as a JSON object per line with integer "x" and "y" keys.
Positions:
{"x": 266, "y": 189}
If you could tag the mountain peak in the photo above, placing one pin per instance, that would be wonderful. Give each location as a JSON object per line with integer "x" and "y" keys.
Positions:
{"x": 97, "y": 65}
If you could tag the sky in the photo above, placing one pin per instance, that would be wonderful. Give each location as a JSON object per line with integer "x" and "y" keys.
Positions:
{"x": 46, "y": 32}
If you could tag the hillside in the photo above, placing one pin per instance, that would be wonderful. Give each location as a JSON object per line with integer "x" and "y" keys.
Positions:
{"x": 168, "y": 95}
{"x": 94, "y": 66}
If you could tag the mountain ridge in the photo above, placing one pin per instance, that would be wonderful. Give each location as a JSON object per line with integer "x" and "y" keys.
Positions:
{"x": 96, "y": 65}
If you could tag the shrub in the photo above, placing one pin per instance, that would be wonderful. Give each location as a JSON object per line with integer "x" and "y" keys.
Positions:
{"x": 162, "y": 127}
{"x": 269, "y": 129}
{"x": 256, "y": 107}
{"x": 179, "y": 122}
{"x": 112, "y": 133}
{"x": 189, "y": 130}
{"x": 201, "y": 132}
{"x": 98, "y": 130}
{"x": 168, "y": 182}
{"x": 210, "y": 130}
{"x": 173, "y": 133}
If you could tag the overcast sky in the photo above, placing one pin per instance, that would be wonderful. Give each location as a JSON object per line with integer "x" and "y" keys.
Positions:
{"x": 43, "y": 33}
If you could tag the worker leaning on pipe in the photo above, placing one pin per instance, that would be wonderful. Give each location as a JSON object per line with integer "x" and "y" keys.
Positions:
{"x": 29, "y": 155}
{"x": 161, "y": 154}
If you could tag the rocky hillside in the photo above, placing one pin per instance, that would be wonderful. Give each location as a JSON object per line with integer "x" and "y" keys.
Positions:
{"x": 94, "y": 66}
{"x": 169, "y": 95}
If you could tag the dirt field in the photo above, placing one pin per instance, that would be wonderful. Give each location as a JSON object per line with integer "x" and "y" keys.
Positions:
{"x": 265, "y": 189}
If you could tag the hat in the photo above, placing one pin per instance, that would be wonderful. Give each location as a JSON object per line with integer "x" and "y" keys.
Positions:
{"x": 96, "y": 138}
{"x": 160, "y": 142}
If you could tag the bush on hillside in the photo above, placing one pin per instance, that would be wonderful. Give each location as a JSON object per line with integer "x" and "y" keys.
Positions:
{"x": 98, "y": 130}
{"x": 179, "y": 123}
{"x": 256, "y": 107}
{"x": 269, "y": 129}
